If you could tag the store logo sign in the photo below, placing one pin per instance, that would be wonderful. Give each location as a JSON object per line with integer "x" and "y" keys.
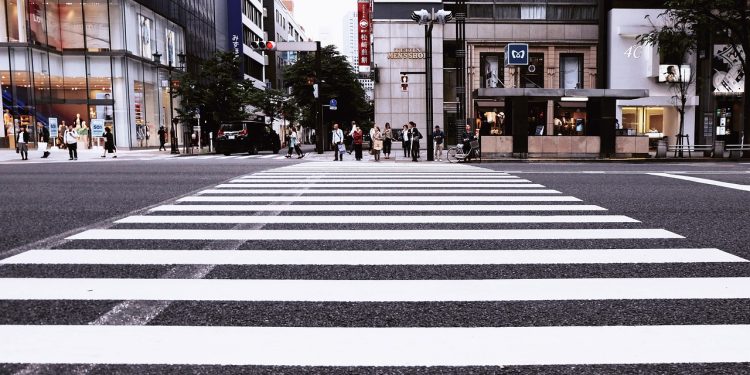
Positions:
{"x": 517, "y": 54}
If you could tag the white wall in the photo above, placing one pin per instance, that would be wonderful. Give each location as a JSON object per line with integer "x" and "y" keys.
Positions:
{"x": 633, "y": 66}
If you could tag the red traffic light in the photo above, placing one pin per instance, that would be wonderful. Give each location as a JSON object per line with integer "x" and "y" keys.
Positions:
{"x": 263, "y": 45}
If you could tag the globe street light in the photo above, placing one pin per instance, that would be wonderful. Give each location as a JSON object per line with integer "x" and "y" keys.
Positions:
{"x": 428, "y": 19}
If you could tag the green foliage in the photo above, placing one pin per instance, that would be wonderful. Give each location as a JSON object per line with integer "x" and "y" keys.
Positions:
{"x": 336, "y": 81}
{"x": 269, "y": 101}
{"x": 673, "y": 40}
{"x": 216, "y": 89}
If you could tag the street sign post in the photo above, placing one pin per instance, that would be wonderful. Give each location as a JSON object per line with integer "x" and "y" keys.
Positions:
{"x": 333, "y": 104}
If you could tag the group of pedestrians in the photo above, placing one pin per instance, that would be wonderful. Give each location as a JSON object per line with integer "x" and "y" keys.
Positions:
{"x": 293, "y": 143}
{"x": 381, "y": 141}
{"x": 70, "y": 139}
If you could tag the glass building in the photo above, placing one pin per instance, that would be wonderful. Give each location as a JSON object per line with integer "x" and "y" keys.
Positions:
{"x": 98, "y": 62}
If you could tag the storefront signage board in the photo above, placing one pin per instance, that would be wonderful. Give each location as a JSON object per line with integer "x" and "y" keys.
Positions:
{"x": 406, "y": 54}
{"x": 516, "y": 54}
{"x": 97, "y": 128}
{"x": 53, "y": 128}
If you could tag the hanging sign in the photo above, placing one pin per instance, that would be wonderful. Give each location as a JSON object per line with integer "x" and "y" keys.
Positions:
{"x": 363, "y": 28}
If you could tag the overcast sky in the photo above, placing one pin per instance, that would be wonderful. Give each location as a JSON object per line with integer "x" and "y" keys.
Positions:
{"x": 323, "y": 19}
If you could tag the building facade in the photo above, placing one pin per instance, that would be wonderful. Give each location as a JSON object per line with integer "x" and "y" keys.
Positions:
{"x": 350, "y": 29}
{"x": 98, "y": 64}
{"x": 282, "y": 28}
{"x": 245, "y": 20}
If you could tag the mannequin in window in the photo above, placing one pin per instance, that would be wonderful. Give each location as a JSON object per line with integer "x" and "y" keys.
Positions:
{"x": 8, "y": 121}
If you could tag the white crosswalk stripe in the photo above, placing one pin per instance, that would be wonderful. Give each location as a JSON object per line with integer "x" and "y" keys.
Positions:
{"x": 293, "y": 262}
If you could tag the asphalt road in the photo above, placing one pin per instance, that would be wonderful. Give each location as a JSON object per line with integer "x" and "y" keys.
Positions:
{"x": 47, "y": 203}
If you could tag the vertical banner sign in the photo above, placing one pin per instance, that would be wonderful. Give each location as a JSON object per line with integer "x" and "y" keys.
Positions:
{"x": 363, "y": 17}
{"x": 235, "y": 33}
{"x": 53, "y": 127}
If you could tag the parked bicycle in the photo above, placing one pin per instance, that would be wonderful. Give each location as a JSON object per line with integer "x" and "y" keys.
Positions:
{"x": 456, "y": 153}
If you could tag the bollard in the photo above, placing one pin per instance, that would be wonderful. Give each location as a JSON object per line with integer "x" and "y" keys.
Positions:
{"x": 719, "y": 149}
{"x": 661, "y": 148}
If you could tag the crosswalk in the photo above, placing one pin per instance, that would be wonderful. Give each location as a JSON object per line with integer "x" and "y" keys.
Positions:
{"x": 59, "y": 158}
{"x": 373, "y": 267}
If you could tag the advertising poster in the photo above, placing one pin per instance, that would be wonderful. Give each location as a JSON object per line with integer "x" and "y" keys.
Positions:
{"x": 170, "y": 48}
{"x": 97, "y": 128}
{"x": 144, "y": 36}
{"x": 53, "y": 128}
{"x": 490, "y": 67}
{"x": 729, "y": 76}
{"x": 673, "y": 73}
{"x": 363, "y": 18}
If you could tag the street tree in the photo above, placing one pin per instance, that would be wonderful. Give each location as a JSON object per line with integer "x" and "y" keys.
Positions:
{"x": 675, "y": 43}
{"x": 729, "y": 19}
{"x": 215, "y": 90}
{"x": 270, "y": 101}
{"x": 336, "y": 80}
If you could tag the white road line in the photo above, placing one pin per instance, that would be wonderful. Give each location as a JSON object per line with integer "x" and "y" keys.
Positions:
{"x": 280, "y": 157}
{"x": 308, "y": 346}
{"x": 374, "y": 290}
{"x": 371, "y": 257}
{"x": 357, "y": 173}
{"x": 246, "y": 157}
{"x": 380, "y": 178}
{"x": 228, "y": 157}
{"x": 374, "y": 208}
{"x": 370, "y": 235}
{"x": 374, "y": 219}
{"x": 386, "y": 180}
{"x": 358, "y": 198}
{"x": 386, "y": 192}
{"x": 379, "y": 183}
{"x": 704, "y": 181}
{"x": 268, "y": 156}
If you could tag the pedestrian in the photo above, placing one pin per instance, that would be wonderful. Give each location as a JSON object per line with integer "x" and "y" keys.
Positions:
{"x": 468, "y": 136}
{"x": 109, "y": 143}
{"x": 405, "y": 141}
{"x": 387, "y": 140}
{"x": 372, "y": 134}
{"x": 414, "y": 137}
{"x": 351, "y": 136}
{"x": 439, "y": 137}
{"x": 44, "y": 141}
{"x": 357, "y": 143}
{"x": 297, "y": 148}
{"x": 337, "y": 140}
{"x": 71, "y": 142}
{"x": 162, "y": 138}
{"x": 290, "y": 143}
{"x": 377, "y": 142}
{"x": 22, "y": 143}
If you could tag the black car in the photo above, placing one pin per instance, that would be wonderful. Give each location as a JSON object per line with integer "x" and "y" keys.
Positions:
{"x": 247, "y": 136}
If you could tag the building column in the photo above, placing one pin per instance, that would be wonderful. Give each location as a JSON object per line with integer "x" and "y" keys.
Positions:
{"x": 518, "y": 116}
{"x": 602, "y": 114}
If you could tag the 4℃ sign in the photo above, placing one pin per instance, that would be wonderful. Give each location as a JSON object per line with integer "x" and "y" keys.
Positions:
{"x": 517, "y": 54}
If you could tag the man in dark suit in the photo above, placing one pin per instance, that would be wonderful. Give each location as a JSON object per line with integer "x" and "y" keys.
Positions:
{"x": 467, "y": 137}
{"x": 414, "y": 137}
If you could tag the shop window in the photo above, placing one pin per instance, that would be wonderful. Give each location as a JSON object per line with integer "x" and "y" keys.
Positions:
{"x": 71, "y": 25}
{"x": 569, "y": 120}
{"x": 97, "y": 25}
{"x": 37, "y": 22}
{"x": 491, "y": 66}
{"x": 571, "y": 71}
{"x": 532, "y": 76}
{"x": 567, "y": 12}
{"x": 643, "y": 120}
{"x": 54, "y": 36}
{"x": 537, "y": 118}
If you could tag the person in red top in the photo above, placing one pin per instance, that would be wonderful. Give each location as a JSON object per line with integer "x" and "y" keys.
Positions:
{"x": 358, "y": 143}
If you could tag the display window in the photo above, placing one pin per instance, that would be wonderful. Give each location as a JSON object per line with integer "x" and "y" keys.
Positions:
{"x": 491, "y": 66}
{"x": 569, "y": 120}
{"x": 643, "y": 121}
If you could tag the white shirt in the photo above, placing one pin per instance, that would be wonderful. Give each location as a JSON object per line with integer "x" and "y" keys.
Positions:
{"x": 71, "y": 137}
{"x": 20, "y": 138}
{"x": 338, "y": 136}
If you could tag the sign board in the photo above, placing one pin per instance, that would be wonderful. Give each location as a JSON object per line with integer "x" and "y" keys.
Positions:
{"x": 333, "y": 104}
{"x": 296, "y": 46}
{"x": 235, "y": 33}
{"x": 97, "y": 128}
{"x": 363, "y": 32}
{"x": 53, "y": 127}
{"x": 516, "y": 54}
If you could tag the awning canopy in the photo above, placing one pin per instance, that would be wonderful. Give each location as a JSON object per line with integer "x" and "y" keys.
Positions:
{"x": 493, "y": 93}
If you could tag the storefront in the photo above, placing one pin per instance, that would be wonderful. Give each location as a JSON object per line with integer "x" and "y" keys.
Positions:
{"x": 83, "y": 62}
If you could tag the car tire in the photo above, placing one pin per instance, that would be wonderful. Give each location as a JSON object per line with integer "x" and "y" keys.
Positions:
{"x": 253, "y": 150}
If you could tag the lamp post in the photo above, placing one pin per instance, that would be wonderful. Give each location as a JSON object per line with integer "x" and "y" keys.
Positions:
{"x": 428, "y": 19}
{"x": 172, "y": 132}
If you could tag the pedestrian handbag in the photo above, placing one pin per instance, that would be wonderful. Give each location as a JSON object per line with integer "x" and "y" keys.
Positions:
{"x": 342, "y": 148}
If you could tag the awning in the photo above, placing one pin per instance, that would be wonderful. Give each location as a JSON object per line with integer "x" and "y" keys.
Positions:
{"x": 492, "y": 93}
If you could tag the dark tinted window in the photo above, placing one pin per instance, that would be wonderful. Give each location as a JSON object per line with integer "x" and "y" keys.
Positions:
{"x": 231, "y": 127}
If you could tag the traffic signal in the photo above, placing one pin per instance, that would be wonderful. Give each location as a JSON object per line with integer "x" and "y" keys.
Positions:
{"x": 263, "y": 45}
{"x": 404, "y": 82}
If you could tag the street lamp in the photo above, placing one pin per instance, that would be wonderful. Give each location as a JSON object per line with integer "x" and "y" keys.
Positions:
{"x": 172, "y": 132}
{"x": 428, "y": 19}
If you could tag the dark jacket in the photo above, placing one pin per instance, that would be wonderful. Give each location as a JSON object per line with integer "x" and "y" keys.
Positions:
{"x": 109, "y": 141}
{"x": 438, "y": 136}
{"x": 414, "y": 136}
{"x": 25, "y": 135}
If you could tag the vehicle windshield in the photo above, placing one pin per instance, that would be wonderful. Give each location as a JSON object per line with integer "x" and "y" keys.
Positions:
{"x": 231, "y": 127}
